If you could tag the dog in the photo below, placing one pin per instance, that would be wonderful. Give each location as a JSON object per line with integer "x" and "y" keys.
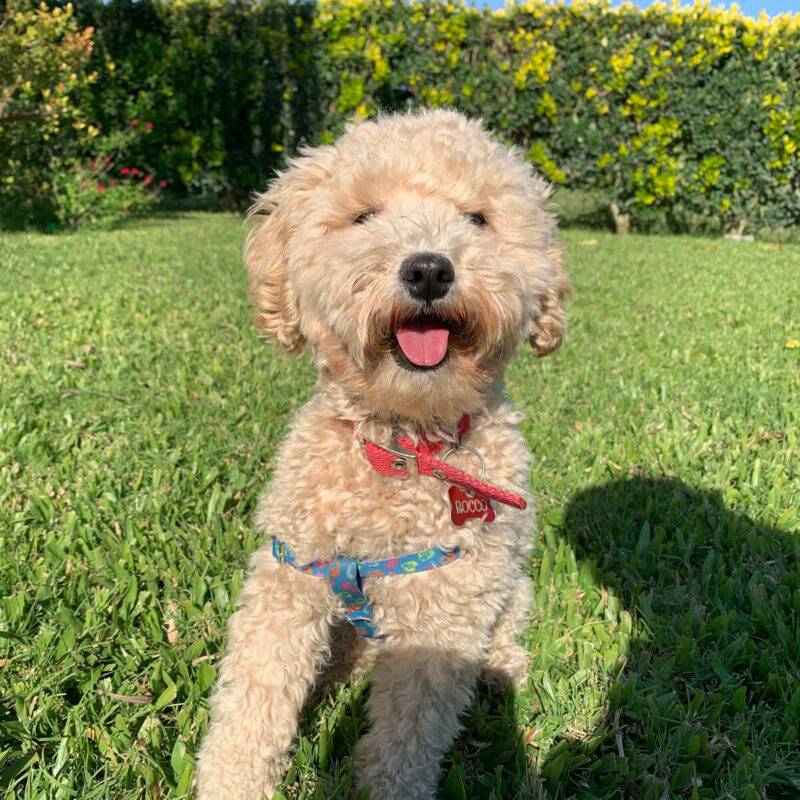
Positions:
{"x": 409, "y": 258}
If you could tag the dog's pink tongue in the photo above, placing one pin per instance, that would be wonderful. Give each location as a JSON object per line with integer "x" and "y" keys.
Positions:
{"x": 423, "y": 342}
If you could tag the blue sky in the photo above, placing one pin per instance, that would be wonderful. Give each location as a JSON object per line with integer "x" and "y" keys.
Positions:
{"x": 751, "y": 8}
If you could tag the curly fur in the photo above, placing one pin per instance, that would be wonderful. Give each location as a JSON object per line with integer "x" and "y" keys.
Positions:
{"x": 326, "y": 279}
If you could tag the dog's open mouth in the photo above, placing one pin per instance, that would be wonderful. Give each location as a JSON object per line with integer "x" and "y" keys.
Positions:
{"x": 421, "y": 342}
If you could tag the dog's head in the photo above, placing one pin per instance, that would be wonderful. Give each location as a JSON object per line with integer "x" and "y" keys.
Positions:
{"x": 410, "y": 256}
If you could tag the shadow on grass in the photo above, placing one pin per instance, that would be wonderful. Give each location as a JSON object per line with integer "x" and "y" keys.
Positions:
{"x": 708, "y": 704}
{"x": 489, "y": 761}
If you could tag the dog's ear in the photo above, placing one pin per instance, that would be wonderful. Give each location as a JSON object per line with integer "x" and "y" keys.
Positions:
{"x": 277, "y": 213}
{"x": 547, "y": 327}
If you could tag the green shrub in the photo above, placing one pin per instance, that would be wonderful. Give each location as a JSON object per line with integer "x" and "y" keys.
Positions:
{"x": 673, "y": 113}
{"x": 49, "y": 148}
{"x": 42, "y": 69}
{"x": 692, "y": 111}
{"x": 228, "y": 86}
{"x": 105, "y": 189}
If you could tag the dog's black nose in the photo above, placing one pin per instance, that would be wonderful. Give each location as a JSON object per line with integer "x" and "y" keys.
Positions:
{"x": 427, "y": 276}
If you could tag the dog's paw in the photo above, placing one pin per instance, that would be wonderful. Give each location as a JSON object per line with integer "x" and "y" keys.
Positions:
{"x": 506, "y": 667}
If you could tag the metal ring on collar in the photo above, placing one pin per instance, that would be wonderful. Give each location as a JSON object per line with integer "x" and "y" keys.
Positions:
{"x": 472, "y": 450}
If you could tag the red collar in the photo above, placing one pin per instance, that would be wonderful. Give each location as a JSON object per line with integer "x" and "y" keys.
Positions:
{"x": 404, "y": 458}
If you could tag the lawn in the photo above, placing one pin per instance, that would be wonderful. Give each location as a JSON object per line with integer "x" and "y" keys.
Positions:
{"x": 139, "y": 411}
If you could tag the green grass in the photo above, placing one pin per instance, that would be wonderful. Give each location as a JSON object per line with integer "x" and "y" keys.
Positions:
{"x": 139, "y": 412}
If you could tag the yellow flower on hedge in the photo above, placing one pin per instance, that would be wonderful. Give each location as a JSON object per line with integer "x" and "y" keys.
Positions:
{"x": 548, "y": 107}
{"x": 621, "y": 64}
{"x": 725, "y": 204}
{"x": 792, "y": 344}
{"x": 539, "y": 156}
{"x": 590, "y": 92}
{"x": 605, "y": 160}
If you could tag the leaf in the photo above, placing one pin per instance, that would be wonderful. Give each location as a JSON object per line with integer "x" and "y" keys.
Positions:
{"x": 185, "y": 783}
{"x": 176, "y": 759}
{"x": 739, "y": 699}
{"x": 166, "y": 697}
{"x": 325, "y": 744}
{"x": 643, "y": 541}
{"x": 206, "y": 675}
{"x": 454, "y": 788}
{"x": 138, "y": 699}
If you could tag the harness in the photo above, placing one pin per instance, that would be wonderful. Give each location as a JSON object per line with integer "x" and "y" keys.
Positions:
{"x": 347, "y": 577}
{"x": 470, "y": 498}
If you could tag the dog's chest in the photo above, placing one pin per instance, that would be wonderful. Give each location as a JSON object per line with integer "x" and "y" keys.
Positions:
{"x": 376, "y": 514}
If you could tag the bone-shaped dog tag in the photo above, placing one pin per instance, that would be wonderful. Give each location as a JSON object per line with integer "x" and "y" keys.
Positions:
{"x": 468, "y": 505}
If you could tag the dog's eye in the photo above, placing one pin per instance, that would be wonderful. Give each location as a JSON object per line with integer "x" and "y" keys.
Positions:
{"x": 364, "y": 216}
{"x": 477, "y": 219}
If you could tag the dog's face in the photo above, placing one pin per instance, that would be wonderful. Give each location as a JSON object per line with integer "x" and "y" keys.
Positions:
{"x": 411, "y": 256}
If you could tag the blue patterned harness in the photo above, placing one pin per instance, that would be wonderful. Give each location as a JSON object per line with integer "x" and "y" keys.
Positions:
{"x": 347, "y": 575}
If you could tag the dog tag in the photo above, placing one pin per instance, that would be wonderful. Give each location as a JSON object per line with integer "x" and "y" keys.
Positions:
{"x": 468, "y": 505}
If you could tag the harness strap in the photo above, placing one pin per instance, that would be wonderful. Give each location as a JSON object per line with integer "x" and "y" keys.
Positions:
{"x": 347, "y": 575}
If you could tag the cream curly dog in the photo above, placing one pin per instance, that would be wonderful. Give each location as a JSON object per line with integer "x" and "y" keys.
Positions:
{"x": 409, "y": 258}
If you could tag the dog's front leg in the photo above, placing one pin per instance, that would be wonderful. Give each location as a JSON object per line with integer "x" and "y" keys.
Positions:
{"x": 506, "y": 662}
{"x": 414, "y": 706}
{"x": 276, "y": 644}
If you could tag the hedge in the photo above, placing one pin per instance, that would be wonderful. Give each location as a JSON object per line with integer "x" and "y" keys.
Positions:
{"x": 677, "y": 110}
{"x": 43, "y": 66}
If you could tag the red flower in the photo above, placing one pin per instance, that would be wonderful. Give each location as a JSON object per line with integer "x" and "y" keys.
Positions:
{"x": 100, "y": 187}
{"x": 124, "y": 171}
{"x": 84, "y": 186}
{"x": 149, "y": 126}
{"x": 162, "y": 184}
{"x": 93, "y": 164}
{"x": 106, "y": 159}
{"x": 134, "y": 123}
{"x": 147, "y": 179}
{"x": 134, "y": 171}
{"x": 112, "y": 182}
